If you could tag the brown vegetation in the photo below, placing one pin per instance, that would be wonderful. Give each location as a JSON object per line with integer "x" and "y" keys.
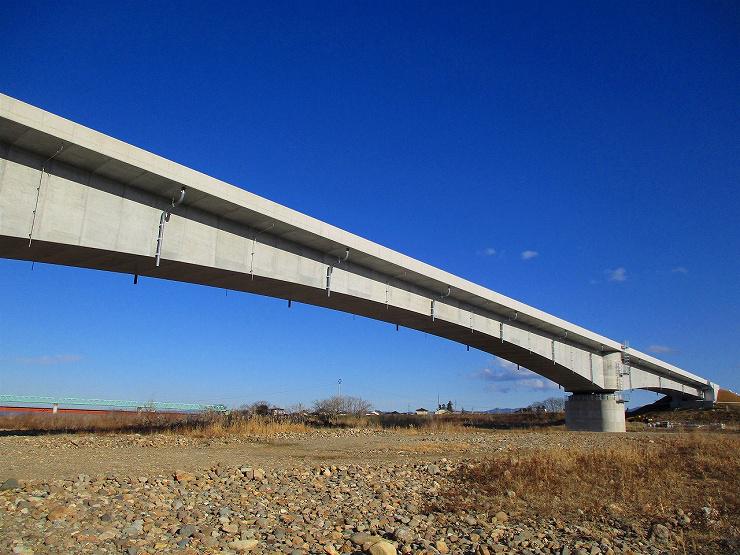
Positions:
{"x": 457, "y": 421}
{"x": 727, "y": 396}
{"x": 643, "y": 484}
{"x": 121, "y": 421}
{"x": 195, "y": 425}
{"x": 252, "y": 422}
{"x": 243, "y": 425}
{"x": 719, "y": 414}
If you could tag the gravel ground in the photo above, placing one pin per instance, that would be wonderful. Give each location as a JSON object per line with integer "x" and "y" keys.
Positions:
{"x": 65, "y": 456}
{"x": 353, "y": 491}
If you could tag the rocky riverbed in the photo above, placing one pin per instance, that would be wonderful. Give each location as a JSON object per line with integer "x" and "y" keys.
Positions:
{"x": 376, "y": 506}
{"x": 67, "y": 455}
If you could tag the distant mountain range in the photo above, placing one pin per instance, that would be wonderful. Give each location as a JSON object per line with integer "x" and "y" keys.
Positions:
{"x": 500, "y": 411}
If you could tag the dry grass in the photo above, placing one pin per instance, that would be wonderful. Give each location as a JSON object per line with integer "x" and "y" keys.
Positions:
{"x": 241, "y": 425}
{"x": 457, "y": 422}
{"x": 641, "y": 483}
{"x": 123, "y": 421}
{"x": 727, "y": 396}
{"x": 234, "y": 424}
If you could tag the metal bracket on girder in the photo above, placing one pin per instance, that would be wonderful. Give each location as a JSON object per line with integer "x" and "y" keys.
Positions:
{"x": 553, "y": 350}
{"x": 38, "y": 192}
{"x": 254, "y": 242}
{"x": 591, "y": 365}
{"x": 164, "y": 218}
{"x": 330, "y": 269}
{"x": 501, "y": 325}
{"x": 442, "y": 296}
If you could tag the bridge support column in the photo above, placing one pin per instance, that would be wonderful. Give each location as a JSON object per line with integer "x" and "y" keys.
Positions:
{"x": 594, "y": 412}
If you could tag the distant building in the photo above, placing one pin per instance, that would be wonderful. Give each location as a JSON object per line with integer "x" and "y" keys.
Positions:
{"x": 372, "y": 413}
{"x": 441, "y": 411}
{"x": 422, "y": 411}
{"x": 277, "y": 411}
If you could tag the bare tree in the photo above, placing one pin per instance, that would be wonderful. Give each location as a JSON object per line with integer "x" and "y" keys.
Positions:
{"x": 355, "y": 406}
{"x": 260, "y": 408}
{"x": 328, "y": 407}
{"x": 554, "y": 404}
{"x": 298, "y": 408}
{"x": 334, "y": 406}
{"x": 551, "y": 404}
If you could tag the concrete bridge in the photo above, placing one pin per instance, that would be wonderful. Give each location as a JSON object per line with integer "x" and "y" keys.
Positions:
{"x": 70, "y": 195}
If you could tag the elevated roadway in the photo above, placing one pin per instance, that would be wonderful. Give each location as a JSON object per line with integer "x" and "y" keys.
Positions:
{"x": 73, "y": 196}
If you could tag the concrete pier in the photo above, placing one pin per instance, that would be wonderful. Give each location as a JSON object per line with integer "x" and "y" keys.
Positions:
{"x": 595, "y": 412}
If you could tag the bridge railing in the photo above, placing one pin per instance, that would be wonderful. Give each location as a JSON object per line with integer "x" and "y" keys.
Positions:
{"x": 111, "y": 403}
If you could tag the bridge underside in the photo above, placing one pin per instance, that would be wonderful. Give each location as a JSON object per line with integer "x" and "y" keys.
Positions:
{"x": 85, "y": 257}
{"x": 589, "y": 409}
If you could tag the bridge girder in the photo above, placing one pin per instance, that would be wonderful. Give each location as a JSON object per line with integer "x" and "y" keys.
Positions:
{"x": 98, "y": 203}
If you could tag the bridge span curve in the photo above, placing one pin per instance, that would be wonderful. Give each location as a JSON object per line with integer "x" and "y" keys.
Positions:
{"x": 72, "y": 196}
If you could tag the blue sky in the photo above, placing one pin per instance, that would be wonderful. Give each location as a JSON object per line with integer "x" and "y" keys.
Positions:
{"x": 581, "y": 157}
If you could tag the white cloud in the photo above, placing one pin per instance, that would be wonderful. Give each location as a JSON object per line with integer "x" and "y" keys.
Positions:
{"x": 659, "y": 349}
{"x": 617, "y": 274}
{"x": 47, "y": 360}
{"x": 488, "y": 251}
{"x": 680, "y": 270}
{"x": 505, "y": 376}
{"x": 527, "y": 255}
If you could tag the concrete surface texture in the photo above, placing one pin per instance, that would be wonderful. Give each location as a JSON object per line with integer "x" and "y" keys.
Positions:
{"x": 70, "y": 195}
{"x": 594, "y": 412}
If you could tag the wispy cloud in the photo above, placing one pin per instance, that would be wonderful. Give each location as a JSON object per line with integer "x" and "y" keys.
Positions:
{"x": 680, "y": 270}
{"x": 659, "y": 349}
{"x": 48, "y": 360}
{"x": 528, "y": 255}
{"x": 505, "y": 376}
{"x": 617, "y": 274}
{"x": 488, "y": 251}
